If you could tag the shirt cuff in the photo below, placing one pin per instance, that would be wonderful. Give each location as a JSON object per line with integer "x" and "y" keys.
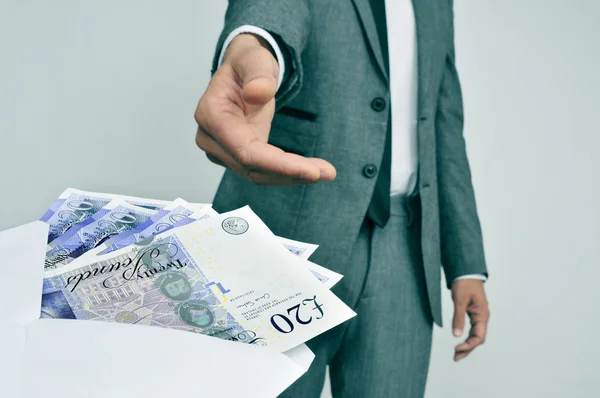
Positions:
{"x": 472, "y": 276}
{"x": 265, "y": 35}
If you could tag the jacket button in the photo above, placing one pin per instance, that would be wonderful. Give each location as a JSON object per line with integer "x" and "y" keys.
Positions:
{"x": 378, "y": 104}
{"x": 370, "y": 170}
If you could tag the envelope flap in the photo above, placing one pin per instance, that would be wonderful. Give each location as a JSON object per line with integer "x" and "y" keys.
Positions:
{"x": 12, "y": 348}
{"x": 22, "y": 252}
{"x": 66, "y": 358}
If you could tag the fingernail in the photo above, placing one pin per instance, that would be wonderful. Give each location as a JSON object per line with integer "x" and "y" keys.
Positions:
{"x": 457, "y": 332}
{"x": 325, "y": 175}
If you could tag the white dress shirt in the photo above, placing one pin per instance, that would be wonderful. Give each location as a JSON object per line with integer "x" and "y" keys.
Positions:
{"x": 402, "y": 49}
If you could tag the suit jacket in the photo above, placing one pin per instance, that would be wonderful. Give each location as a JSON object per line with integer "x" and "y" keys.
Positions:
{"x": 324, "y": 109}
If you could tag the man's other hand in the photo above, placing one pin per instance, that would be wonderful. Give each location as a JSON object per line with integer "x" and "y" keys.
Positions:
{"x": 234, "y": 119}
{"x": 469, "y": 299}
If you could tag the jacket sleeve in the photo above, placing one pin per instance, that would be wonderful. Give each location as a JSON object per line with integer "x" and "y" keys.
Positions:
{"x": 288, "y": 21}
{"x": 460, "y": 230}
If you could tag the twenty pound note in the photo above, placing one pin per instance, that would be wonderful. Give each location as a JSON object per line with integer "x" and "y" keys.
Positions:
{"x": 227, "y": 276}
{"x": 74, "y": 206}
{"x": 175, "y": 214}
{"x": 114, "y": 218}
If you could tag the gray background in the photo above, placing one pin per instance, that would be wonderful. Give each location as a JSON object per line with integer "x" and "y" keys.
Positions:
{"x": 100, "y": 96}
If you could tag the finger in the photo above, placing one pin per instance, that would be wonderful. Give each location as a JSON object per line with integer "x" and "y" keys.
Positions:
{"x": 269, "y": 162}
{"x": 261, "y": 178}
{"x": 478, "y": 334}
{"x": 218, "y": 155}
{"x": 462, "y": 353}
{"x": 462, "y": 350}
{"x": 476, "y": 337}
{"x": 469, "y": 344}
{"x": 458, "y": 321}
{"x": 328, "y": 172}
{"x": 242, "y": 143}
{"x": 270, "y": 159}
{"x": 479, "y": 314}
{"x": 459, "y": 356}
{"x": 259, "y": 72}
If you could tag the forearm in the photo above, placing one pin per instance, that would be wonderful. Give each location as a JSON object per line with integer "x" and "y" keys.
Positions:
{"x": 461, "y": 237}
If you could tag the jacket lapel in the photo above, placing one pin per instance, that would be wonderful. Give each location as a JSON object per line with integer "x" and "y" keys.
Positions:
{"x": 426, "y": 20}
{"x": 363, "y": 8}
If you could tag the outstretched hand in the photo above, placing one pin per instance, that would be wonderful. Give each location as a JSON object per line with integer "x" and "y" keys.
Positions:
{"x": 234, "y": 119}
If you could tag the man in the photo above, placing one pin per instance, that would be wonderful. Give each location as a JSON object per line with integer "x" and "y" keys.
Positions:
{"x": 377, "y": 95}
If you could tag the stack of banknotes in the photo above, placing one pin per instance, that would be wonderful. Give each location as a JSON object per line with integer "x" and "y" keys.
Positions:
{"x": 183, "y": 266}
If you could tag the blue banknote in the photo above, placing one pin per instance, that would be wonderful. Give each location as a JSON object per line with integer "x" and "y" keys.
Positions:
{"x": 66, "y": 212}
{"x": 74, "y": 206}
{"x": 182, "y": 214}
{"x": 116, "y": 217}
{"x": 227, "y": 277}
{"x": 159, "y": 285}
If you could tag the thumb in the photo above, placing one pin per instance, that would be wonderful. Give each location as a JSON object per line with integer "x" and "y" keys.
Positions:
{"x": 258, "y": 72}
{"x": 458, "y": 322}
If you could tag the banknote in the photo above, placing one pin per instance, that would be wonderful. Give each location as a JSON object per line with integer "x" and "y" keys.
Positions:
{"x": 300, "y": 249}
{"x": 154, "y": 226}
{"x": 326, "y": 276}
{"x": 175, "y": 214}
{"x": 55, "y": 305}
{"x": 74, "y": 206}
{"x": 304, "y": 250}
{"x": 172, "y": 215}
{"x": 227, "y": 276}
{"x": 115, "y": 217}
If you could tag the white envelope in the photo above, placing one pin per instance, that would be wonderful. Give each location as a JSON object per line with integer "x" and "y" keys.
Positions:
{"x": 72, "y": 358}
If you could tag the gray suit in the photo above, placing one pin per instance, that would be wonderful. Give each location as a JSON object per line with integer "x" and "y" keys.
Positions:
{"x": 326, "y": 109}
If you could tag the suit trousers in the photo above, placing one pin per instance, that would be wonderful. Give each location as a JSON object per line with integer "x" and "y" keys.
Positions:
{"x": 384, "y": 351}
